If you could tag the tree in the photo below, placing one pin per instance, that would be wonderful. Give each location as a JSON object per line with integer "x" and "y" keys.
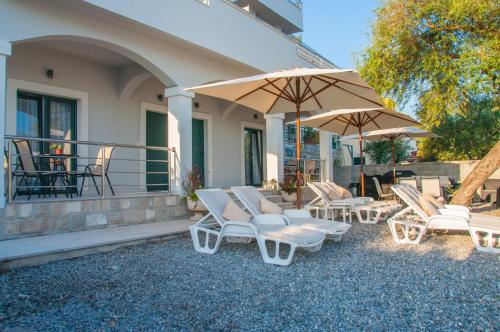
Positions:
{"x": 441, "y": 55}
{"x": 381, "y": 152}
{"x": 463, "y": 137}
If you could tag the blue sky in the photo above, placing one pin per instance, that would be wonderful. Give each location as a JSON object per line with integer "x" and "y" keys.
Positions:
{"x": 338, "y": 28}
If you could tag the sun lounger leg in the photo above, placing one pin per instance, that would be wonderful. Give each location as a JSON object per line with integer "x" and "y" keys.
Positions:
{"x": 485, "y": 240}
{"x": 275, "y": 259}
{"x": 407, "y": 232}
{"x": 205, "y": 247}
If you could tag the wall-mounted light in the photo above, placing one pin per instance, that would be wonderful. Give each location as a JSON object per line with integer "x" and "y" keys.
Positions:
{"x": 255, "y": 116}
{"x": 196, "y": 105}
{"x": 50, "y": 73}
{"x": 160, "y": 97}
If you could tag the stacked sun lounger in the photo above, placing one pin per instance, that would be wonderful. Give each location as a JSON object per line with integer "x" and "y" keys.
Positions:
{"x": 423, "y": 212}
{"x": 332, "y": 198}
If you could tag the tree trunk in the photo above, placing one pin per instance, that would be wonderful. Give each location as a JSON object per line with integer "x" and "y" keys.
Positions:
{"x": 484, "y": 168}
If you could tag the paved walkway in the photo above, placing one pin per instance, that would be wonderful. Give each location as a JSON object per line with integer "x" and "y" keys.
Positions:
{"x": 76, "y": 241}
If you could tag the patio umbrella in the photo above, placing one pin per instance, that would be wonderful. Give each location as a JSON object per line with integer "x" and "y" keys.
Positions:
{"x": 296, "y": 90}
{"x": 354, "y": 121}
{"x": 393, "y": 134}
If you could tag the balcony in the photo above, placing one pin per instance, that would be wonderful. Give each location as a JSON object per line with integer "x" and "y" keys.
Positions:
{"x": 192, "y": 24}
{"x": 285, "y": 15}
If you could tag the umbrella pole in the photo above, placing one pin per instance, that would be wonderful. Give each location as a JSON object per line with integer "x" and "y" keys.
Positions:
{"x": 297, "y": 147}
{"x": 361, "y": 175}
{"x": 393, "y": 163}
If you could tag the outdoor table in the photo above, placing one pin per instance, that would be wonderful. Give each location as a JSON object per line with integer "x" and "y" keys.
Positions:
{"x": 58, "y": 162}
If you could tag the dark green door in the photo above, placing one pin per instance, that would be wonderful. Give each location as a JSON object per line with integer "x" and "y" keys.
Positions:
{"x": 199, "y": 146}
{"x": 156, "y": 166}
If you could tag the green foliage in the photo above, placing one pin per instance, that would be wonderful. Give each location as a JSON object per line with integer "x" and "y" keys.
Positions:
{"x": 288, "y": 185}
{"x": 443, "y": 54}
{"x": 192, "y": 181}
{"x": 463, "y": 137}
{"x": 381, "y": 152}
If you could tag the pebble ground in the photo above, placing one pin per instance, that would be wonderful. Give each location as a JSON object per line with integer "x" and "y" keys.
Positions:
{"x": 365, "y": 282}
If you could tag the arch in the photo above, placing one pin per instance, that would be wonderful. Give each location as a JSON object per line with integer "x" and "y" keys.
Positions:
{"x": 144, "y": 62}
{"x": 129, "y": 82}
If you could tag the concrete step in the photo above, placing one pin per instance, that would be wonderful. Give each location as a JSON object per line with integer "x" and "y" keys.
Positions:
{"x": 46, "y": 248}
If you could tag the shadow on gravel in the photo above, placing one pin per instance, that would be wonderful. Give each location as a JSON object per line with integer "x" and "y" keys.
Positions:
{"x": 364, "y": 282}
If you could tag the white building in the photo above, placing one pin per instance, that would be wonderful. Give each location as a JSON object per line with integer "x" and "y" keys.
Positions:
{"x": 115, "y": 72}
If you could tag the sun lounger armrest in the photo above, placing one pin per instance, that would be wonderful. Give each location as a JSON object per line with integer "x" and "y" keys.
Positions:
{"x": 457, "y": 207}
{"x": 270, "y": 219}
{"x": 447, "y": 217}
{"x": 296, "y": 213}
{"x": 453, "y": 212}
{"x": 240, "y": 225}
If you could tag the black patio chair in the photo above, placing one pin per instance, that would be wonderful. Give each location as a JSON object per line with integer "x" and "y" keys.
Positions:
{"x": 29, "y": 168}
{"x": 95, "y": 170}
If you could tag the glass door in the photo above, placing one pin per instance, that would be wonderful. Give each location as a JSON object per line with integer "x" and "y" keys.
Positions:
{"x": 199, "y": 147}
{"x": 42, "y": 116}
{"x": 253, "y": 157}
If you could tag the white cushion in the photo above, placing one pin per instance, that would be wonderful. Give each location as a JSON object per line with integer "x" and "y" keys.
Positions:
{"x": 429, "y": 198}
{"x": 334, "y": 195}
{"x": 233, "y": 212}
{"x": 344, "y": 192}
{"x": 268, "y": 207}
{"x": 428, "y": 207}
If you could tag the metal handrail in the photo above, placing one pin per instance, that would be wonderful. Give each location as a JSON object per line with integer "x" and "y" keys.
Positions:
{"x": 68, "y": 175}
{"x": 296, "y": 3}
{"x": 96, "y": 143}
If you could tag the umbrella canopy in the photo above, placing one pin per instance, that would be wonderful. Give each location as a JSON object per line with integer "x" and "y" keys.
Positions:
{"x": 351, "y": 121}
{"x": 277, "y": 92}
{"x": 296, "y": 90}
{"x": 393, "y": 134}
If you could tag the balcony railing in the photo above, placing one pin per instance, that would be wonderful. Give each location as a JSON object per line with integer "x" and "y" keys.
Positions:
{"x": 296, "y": 3}
{"x": 304, "y": 51}
{"x": 71, "y": 169}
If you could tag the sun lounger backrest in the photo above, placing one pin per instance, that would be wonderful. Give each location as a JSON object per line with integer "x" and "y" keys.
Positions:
{"x": 215, "y": 201}
{"x": 411, "y": 190}
{"x": 410, "y": 200}
{"x": 320, "y": 191}
{"x": 250, "y": 197}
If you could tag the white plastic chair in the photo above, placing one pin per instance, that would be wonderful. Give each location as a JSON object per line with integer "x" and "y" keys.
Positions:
{"x": 411, "y": 181}
{"x": 484, "y": 230}
{"x": 431, "y": 185}
{"x": 264, "y": 228}
{"x": 251, "y": 197}
{"x": 380, "y": 193}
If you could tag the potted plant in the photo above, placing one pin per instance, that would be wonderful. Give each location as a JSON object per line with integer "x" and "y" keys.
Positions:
{"x": 288, "y": 189}
{"x": 270, "y": 184}
{"x": 192, "y": 182}
{"x": 57, "y": 148}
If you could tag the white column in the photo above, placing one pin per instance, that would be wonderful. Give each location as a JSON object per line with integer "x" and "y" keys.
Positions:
{"x": 274, "y": 146}
{"x": 180, "y": 115}
{"x": 5, "y": 51}
{"x": 326, "y": 155}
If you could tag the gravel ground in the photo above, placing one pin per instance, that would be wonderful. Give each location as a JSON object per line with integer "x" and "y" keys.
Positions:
{"x": 365, "y": 282}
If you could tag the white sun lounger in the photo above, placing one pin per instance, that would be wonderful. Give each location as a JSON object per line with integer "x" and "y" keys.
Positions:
{"x": 265, "y": 229}
{"x": 410, "y": 189}
{"x": 414, "y": 223}
{"x": 251, "y": 197}
{"x": 366, "y": 209}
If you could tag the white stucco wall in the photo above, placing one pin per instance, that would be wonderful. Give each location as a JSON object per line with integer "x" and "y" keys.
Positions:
{"x": 119, "y": 122}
